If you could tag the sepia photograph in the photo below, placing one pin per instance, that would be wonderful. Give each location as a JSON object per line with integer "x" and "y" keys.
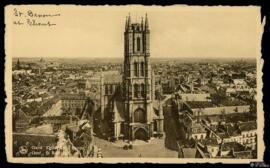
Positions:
{"x": 133, "y": 84}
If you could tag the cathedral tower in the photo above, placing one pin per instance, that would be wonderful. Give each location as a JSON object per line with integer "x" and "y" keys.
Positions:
{"x": 137, "y": 80}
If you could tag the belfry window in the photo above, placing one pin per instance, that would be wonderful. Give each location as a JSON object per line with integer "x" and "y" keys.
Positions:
{"x": 135, "y": 68}
{"x": 142, "y": 69}
{"x": 106, "y": 89}
{"x": 111, "y": 89}
{"x": 138, "y": 44}
{"x": 136, "y": 90}
{"x": 142, "y": 90}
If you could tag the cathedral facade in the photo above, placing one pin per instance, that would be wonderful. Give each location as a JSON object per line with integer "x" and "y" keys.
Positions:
{"x": 134, "y": 111}
{"x": 138, "y": 81}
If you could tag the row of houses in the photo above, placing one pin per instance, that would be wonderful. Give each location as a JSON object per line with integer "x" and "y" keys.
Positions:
{"x": 222, "y": 140}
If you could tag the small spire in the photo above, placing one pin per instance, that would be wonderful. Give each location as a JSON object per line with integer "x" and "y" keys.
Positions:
{"x": 18, "y": 65}
{"x": 126, "y": 25}
{"x": 146, "y": 22}
{"x": 129, "y": 20}
{"x": 142, "y": 23}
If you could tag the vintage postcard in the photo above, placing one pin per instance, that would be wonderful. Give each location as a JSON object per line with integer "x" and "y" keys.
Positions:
{"x": 133, "y": 84}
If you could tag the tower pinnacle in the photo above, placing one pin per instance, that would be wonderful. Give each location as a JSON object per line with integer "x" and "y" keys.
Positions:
{"x": 126, "y": 25}
{"x": 142, "y": 23}
{"x": 146, "y": 22}
{"x": 129, "y": 20}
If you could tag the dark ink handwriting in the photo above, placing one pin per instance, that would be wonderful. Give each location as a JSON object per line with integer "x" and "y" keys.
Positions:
{"x": 31, "y": 18}
{"x": 33, "y": 22}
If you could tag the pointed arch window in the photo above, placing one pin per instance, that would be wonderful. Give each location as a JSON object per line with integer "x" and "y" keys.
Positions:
{"x": 135, "y": 68}
{"x": 136, "y": 90}
{"x": 138, "y": 44}
{"x": 106, "y": 90}
{"x": 111, "y": 89}
{"x": 142, "y": 68}
{"x": 142, "y": 90}
{"x": 140, "y": 116}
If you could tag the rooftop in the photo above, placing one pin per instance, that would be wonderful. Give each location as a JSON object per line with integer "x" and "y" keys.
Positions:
{"x": 210, "y": 141}
{"x": 73, "y": 97}
{"x": 112, "y": 78}
{"x": 200, "y": 104}
{"x": 248, "y": 126}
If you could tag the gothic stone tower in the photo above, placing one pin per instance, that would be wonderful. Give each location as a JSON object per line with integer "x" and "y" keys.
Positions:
{"x": 138, "y": 81}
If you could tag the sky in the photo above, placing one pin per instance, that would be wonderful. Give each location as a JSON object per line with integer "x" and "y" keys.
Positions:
{"x": 175, "y": 31}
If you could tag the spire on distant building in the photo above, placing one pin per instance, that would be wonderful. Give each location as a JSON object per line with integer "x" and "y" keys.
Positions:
{"x": 18, "y": 65}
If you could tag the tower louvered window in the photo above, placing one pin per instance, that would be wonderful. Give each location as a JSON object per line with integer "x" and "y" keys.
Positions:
{"x": 142, "y": 69}
{"x": 135, "y": 69}
{"x": 138, "y": 44}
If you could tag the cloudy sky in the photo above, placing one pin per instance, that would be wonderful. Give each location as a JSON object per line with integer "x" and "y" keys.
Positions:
{"x": 176, "y": 31}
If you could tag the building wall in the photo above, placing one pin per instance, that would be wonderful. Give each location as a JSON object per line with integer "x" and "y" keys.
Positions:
{"x": 237, "y": 138}
{"x": 221, "y": 110}
{"x": 249, "y": 138}
{"x": 198, "y": 136}
{"x": 73, "y": 104}
{"x": 195, "y": 97}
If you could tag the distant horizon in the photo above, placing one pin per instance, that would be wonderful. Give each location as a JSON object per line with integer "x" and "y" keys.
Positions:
{"x": 28, "y": 57}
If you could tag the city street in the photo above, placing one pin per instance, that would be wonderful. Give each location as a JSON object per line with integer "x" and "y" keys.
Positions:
{"x": 153, "y": 149}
